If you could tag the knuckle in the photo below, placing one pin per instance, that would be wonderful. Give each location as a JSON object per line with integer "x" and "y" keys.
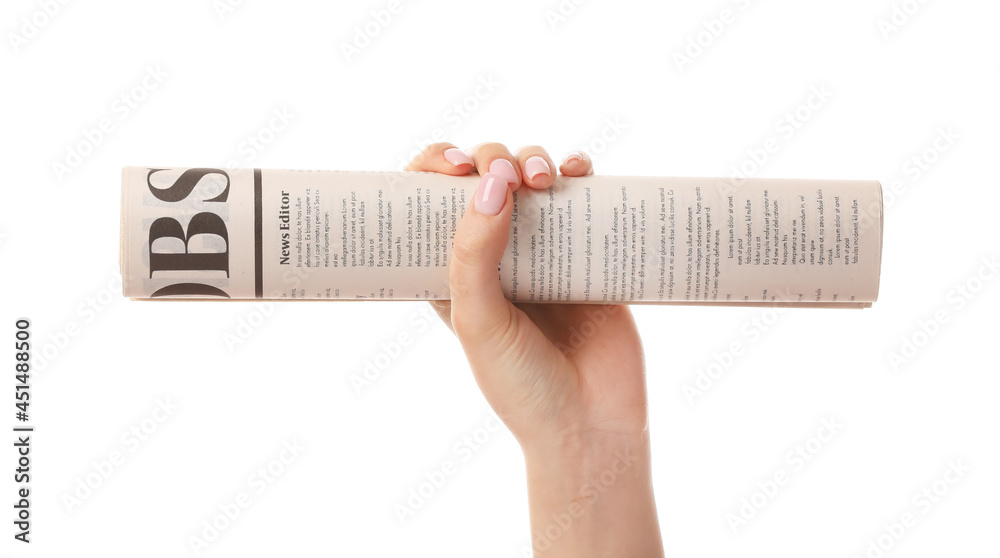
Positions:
{"x": 464, "y": 262}
{"x": 422, "y": 160}
{"x": 436, "y": 147}
{"x": 460, "y": 287}
{"x": 529, "y": 150}
{"x": 491, "y": 150}
{"x": 464, "y": 255}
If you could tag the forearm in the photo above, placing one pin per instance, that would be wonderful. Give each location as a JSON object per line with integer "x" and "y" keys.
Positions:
{"x": 593, "y": 498}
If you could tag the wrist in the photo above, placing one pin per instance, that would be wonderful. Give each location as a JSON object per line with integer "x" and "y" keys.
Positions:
{"x": 592, "y": 496}
{"x": 584, "y": 452}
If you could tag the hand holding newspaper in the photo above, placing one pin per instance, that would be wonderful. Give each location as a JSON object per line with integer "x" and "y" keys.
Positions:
{"x": 286, "y": 234}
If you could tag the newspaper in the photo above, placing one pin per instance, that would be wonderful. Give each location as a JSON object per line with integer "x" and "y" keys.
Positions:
{"x": 291, "y": 234}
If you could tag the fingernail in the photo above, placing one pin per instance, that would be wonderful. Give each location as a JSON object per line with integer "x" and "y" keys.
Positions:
{"x": 457, "y": 157}
{"x": 573, "y": 155}
{"x": 503, "y": 169}
{"x": 535, "y": 166}
{"x": 490, "y": 194}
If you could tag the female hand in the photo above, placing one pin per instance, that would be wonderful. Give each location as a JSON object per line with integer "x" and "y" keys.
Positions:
{"x": 567, "y": 379}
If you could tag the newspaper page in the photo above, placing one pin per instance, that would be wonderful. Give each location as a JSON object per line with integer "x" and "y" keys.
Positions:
{"x": 291, "y": 234}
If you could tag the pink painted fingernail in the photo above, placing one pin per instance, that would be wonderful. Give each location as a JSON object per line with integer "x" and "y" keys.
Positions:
{"x": 535, "y": 166}
{"x": 490, "y": 194}
{"x": 573, "y": 155}
{"x": 503, "y": 168}
{"x": 457, "y": 157}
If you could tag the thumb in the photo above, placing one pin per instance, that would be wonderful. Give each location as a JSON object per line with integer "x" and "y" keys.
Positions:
{"x": 480, "y": 313}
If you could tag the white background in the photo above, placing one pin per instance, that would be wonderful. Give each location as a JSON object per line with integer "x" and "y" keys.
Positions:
{"x": 605, "y": 77}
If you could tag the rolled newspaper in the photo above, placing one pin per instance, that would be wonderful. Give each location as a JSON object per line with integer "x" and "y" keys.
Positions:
{"x": 291, "y": 234}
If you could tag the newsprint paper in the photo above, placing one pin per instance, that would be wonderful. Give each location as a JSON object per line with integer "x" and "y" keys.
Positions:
{"x": 291, "y": 234}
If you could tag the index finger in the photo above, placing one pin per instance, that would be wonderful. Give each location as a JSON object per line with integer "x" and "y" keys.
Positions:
{"x": 444, "y": 158}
